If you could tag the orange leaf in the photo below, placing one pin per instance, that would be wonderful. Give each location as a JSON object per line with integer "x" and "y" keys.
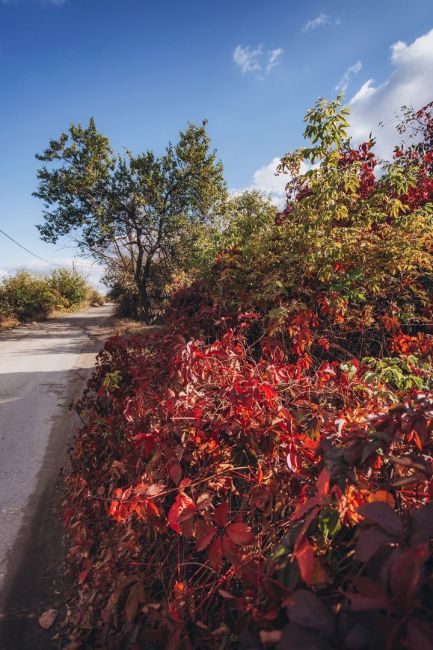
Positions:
{"x": 177, "y": 512}
{"x": 384, "y": 496}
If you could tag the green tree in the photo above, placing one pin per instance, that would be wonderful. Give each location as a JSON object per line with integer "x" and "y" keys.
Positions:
{"x": 135, "y": 213}
{"x": 237, "y": 220}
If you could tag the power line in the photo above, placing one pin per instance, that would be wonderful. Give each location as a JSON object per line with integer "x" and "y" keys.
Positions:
{"x": 74, "y": 263}
{"x": 27, "y": 250}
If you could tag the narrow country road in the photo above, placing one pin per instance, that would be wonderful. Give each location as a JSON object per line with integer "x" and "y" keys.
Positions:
{"x": 43, "y": 368}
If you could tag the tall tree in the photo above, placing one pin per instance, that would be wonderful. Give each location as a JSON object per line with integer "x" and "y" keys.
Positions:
{"x": 135, "y": 213}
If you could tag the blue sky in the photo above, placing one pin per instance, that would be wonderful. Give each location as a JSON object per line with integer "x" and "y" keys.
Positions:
{"x": 144, "y": 69}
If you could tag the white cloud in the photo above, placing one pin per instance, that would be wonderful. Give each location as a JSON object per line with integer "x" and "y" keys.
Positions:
{"x": 320, "y": 21}
{"x": 247, "y": 58}
{"x": 253, "y": 59}
{"x": 91, "y": 270}
{"x": 266, "y": 180}
{"x": 410, "y": 83}
{"x": 274, "y": 58}
{"x": 351, "y": 71}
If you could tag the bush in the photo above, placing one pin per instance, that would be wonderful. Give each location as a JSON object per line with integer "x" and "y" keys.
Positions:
{"x": 26, "y": 296}
{"x": 351, "y": 245}
{"x": 226, "y": 497}
{"x": 95, "y": 298}
{"x": 246, "y": 476}
{"x": 69, "y": 286}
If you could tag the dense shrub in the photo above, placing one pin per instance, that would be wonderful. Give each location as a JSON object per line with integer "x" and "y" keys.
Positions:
{"x": 246, "y": 477}
{"x": 70, "y": 288}
{"x": 213, "y": 495}
{"x": 352, "y": 245}
{"x": 26, "y": 296}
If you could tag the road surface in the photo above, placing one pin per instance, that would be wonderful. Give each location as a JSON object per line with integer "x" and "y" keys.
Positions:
{"x": 43, "y": 367}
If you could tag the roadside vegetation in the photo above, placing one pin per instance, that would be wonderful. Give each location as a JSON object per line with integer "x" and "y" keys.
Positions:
{"x": 25, "y": 297}
{"x": 257, "y": 472}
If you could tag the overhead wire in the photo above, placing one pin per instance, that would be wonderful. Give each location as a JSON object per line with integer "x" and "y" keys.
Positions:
{"x": 43, "y": 259}
{"x": 28, "y": 250}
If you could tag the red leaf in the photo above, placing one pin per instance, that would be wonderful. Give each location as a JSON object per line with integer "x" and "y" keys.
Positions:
{"x": 304, "y": 554}
{"x": 371, "y": 595}
{"x": 306, "y": 507}
{"x": 222, "y": 514}
{"x": 145, "y": 508}
{"x": 384, "y": 516}
{"x": 269, "y": 392}
{"x": 407, "y": 574}
{"x": 421, "y": 524}
{"x": 239, "y": 533}
{"x": 370, "y": 541}
{"x": 323, "y": 482}
{"x": 305, "y": 608}
{"x": 177, "y": 511}
{"x": 206, "y": 540}
{"x": 216, "y": 554}
{"x": 229, "y": 548}
{"x": 175, "y": 472}
{"x": 259, "y": 475}
{"x": 83, "y": 576}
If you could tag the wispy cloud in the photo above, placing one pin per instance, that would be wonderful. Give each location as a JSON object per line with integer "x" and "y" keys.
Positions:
{"x": 274, "y": 59}
{"x": 320, "y": 21}
{"x": 247, "y": 58}
{"x": 351, "y": 71}
{"x": 254, "y": 59}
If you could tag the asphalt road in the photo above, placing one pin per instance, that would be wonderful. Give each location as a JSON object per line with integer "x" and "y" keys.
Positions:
{"x": 43, "y": 368}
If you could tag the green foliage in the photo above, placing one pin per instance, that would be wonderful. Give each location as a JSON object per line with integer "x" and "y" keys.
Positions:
{"x": 236, "y": 220}
{"x": 69, "y": 286}
{"x": 26, "y": 296}
{"x": 133, "y": 213}
{"x": 401, "y": 373}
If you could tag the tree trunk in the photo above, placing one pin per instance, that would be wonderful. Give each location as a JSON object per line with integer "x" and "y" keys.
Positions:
{"x": 143, "y": 301}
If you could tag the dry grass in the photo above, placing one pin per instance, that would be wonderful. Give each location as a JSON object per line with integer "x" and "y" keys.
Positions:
{"x": 125, "y": 326}
{"x": 8, "y": 323}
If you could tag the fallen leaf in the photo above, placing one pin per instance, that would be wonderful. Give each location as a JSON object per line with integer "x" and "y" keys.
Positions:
{"x": 47, "y": 619}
